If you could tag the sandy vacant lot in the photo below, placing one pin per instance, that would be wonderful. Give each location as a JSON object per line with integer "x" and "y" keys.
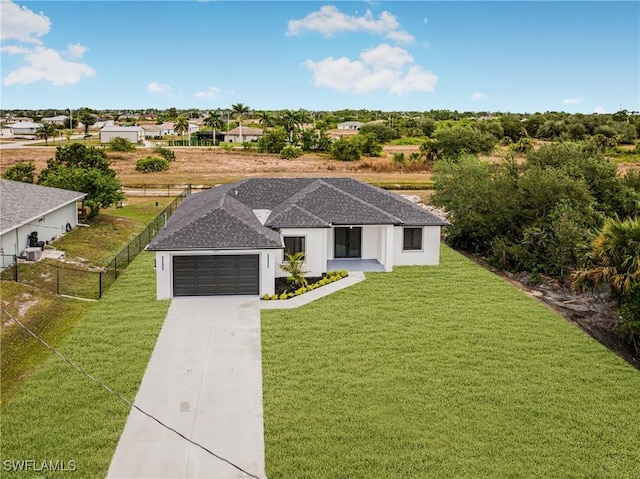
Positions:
{"x": 210, "y": 166}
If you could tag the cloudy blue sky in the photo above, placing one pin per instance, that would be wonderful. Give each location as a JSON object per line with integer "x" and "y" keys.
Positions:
{"x": 491, "y": 56}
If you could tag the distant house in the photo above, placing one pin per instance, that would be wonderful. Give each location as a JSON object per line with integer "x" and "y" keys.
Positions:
{"x": 350, "y": 125}
{"x": 248, "y": 134}
{"x": 6, "y": 132}
{"x": 193, "y": 128}
{"x": 26, "y": 208}
{"x": 102, "y": 122}
{"x": 158, "y": 131}
{"x": 132, "y": 133}
{"x": 25, "y": 128}
{"x": 56, "y": 120}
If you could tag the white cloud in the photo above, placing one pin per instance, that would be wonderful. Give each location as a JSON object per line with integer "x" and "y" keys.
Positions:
{"x": 380, "y": 68}
{"x": 479, "y": 96}
{"x": 47, "y": 64}
{"x": 155, "y": 87}
{"x": 209, "y": 93}
{"x": 76, "y": 50}
{"x": 571, "y": 101}
{"x": 20, "y": 23}
{"x": 329, "y": 21}
{"x": 600, "y": 110}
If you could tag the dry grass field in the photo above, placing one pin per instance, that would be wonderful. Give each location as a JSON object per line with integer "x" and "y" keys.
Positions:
{"x": 210, "y": 166}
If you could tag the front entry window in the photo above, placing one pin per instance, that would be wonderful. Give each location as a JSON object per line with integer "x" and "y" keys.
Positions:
{"x": 294, "y": 244}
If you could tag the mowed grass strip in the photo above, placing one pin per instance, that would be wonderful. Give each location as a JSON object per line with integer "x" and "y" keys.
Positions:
{"x": 48, "y": 315}
{"x": 444, "y": 371}
{"x": 59, "y": 414}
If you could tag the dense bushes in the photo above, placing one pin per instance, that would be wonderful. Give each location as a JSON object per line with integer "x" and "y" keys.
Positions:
{"x": 151, "y": 164}
{"x": 166, "y": 153}
{"x": 533, "y": 216}
{"x": 21, "y": 171}
{"x": 121, "y": 144}
{"x": 344, "y": 149}
{"x": 290, "y": 152}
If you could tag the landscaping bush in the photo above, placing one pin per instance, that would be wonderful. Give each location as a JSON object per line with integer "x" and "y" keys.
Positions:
{"x": 165, "y": 153}
{"x": 290, "y": 152}
{"x": 121, "y": 144}
{"x": 151, "y": 164}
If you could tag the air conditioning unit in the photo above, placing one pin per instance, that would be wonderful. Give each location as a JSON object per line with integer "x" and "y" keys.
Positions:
{"x": 32, "y": 254}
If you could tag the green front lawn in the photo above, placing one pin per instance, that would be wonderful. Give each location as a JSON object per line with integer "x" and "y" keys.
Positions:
{"x": 443, "y": 372}
{"x": 59, "y": 414}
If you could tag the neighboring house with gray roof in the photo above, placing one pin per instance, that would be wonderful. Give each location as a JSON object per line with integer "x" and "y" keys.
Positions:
{"x": 248, "y": 135}
{"x": 232, "y": 239}
{"x": 26, "y": 208}
{"x": 132, "y": 133}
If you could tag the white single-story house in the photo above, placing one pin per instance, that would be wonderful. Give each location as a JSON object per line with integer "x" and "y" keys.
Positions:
{"x": 232, "y": 239}
{"x": 248, "y": 134}
{"x": 102, "y": 122}
{"x": 350, "y": 125}
{"x": 158, "y": 131}
{"x": 132, "y": 133}
{"x": 25, "y": 128}
{"x": 56, "y": 120}
{"x": 26, "y": 208}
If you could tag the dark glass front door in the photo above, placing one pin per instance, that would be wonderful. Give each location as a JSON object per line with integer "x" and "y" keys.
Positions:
{"x": 348, "y": 242}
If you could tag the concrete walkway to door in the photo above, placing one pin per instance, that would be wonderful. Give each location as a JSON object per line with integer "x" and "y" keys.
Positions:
{"x": 204, "y": 379}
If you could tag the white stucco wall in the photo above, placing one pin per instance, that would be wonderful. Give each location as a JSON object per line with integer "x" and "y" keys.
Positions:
{"x": 269, "y": 259}
{"x": 132, "y": 136}
{"x": 316, "y": 249}
{"x": 51, "y": 225}
{"x": 430, "y": 253}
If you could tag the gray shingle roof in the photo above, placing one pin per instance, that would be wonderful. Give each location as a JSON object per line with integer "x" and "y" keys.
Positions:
{"x": 22, "y": 203}
{"x": 223, "y": 217}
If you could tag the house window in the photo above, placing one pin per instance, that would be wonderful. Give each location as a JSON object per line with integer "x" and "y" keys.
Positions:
{"x": 294, "y": 244}
{"x": 412, "y": 239}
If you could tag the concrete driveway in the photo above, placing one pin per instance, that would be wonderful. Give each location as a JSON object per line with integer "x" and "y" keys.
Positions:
{"x": 204, "y": 379}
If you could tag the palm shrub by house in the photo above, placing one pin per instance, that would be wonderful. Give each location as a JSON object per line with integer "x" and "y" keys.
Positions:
{"x": 294, "y": 265}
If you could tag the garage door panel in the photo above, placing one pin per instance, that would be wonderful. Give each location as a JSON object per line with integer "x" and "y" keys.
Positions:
{"x": 215, "y": 275}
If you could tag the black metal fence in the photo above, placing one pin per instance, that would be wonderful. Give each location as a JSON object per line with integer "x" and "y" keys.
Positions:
{"x": 86, "y": 283}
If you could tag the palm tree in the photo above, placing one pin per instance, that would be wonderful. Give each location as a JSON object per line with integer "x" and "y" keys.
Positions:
{"x": 87, "y": 119}
{"x": 266, "y": 119}
{"x": 215, "y": 121}
{"x": 239, "y": 110}
{"x": 45, "y": 131}
{"x": 614, "y": 257}
{"x": 181, "y": 125}
{"x": 290, "y": 120}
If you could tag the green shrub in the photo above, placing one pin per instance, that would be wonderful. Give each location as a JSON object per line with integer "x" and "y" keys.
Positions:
{"x": 21, "y": 171}
{"x": 290, "y": 152}
{"x": 165, "y": 153}
{"x": 274, "y": 297}
{"x": 283, "y": 295}
{"x": 266, "y": 297}
{"x": 629, "y": 325}
{"x": 345, "y": 150}
{"x": 151, "y": 164}
{"x": 121, "y": 144}
{"x": 398, "y": 157}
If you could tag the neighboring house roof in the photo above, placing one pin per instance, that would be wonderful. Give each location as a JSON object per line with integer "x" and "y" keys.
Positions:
{"x": 223, "y": 217}
{"x": 25, "y": 124}
{"x": 246, "y": 131}
{"x": 23, "y": 203}
{"x": 109, "y": 129}
{"x": 56, "y": 118}
{"x": 161, "y": 127}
